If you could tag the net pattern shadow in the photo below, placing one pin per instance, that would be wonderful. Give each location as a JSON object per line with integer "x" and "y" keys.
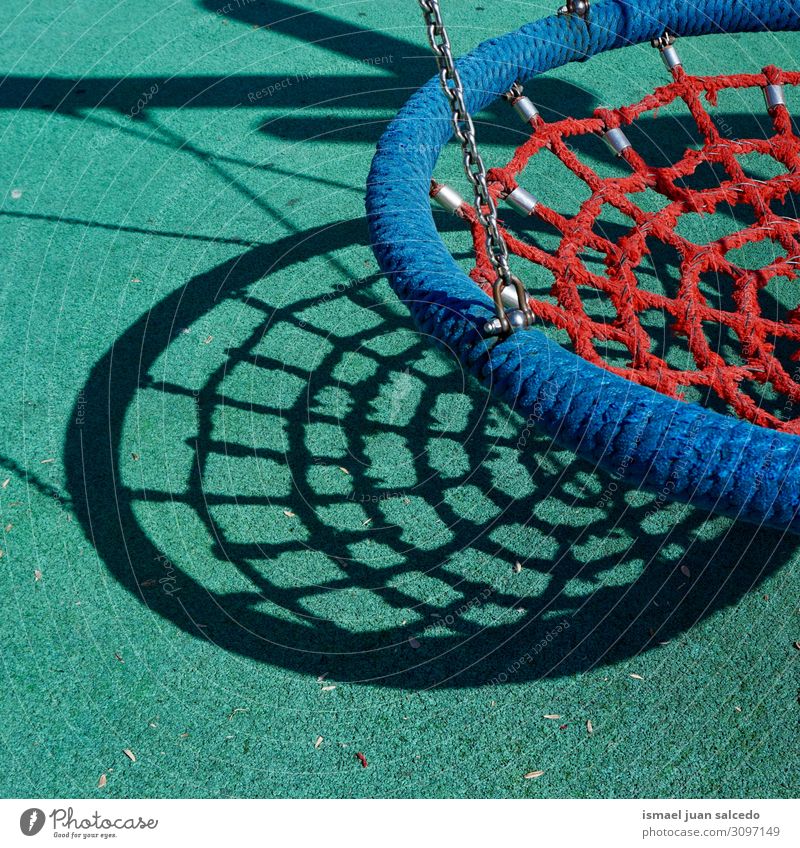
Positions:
{"x": 686, "y": 312}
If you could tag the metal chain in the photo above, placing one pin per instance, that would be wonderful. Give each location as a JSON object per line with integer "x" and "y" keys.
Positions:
{"x": 464, "y": 130}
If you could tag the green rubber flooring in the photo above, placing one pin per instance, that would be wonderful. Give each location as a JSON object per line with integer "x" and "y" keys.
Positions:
{"x": 256, "y": 524}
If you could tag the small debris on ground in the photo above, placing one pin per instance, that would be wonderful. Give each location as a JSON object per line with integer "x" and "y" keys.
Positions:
{"x": 532, "y": 775}
{"x": 102, "y": 782}
{"x": 362, "y": 759}
{"x": 288, "y": 513}
{"x": 552, "y": 716}
{"x": 328, "y": 688}
{"x": 636, "y": 676}
{"x": 589, "y": 727}
{"x": 237, "y": 710}
{"x": 319, "y": 741}
{"x": 129, "y": 754}
{"x": 37, "y": 575}
{"x": 119, "y": 658}
{"x": 517, "y": 567}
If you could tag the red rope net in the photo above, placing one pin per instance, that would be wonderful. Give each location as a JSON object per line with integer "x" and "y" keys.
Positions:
{"x": 689, "y": 309}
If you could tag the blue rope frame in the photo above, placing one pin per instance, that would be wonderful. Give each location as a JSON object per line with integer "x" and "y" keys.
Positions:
{"x": 689, "y": 453}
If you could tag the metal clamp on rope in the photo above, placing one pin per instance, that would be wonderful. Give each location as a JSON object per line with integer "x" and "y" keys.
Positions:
{"x": 522, "y": 200}
{"x": 516, "y": 321}
{"x": 616, "y": 139}
{"x": 774, "y": 96}
{"x": 513, "y": 311}
{"x": 523, "y": 105}
{"x": 448, "y": 198}
{"x": 576, "y": 7}
{"x": 665, "y": 44}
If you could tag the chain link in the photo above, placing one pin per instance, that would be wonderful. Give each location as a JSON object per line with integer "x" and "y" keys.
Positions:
{"x": 464, "y": 130}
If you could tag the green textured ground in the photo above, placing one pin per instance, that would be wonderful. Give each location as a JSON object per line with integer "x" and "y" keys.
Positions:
{"x": 235, "y": 477}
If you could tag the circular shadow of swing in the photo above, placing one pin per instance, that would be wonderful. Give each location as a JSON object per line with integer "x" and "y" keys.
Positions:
{"x": 285, "y": 468}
